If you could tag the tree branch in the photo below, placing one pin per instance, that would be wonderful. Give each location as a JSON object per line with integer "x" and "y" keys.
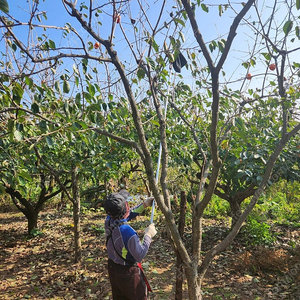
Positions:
{"x": 54, "y": 173}
{"x": 197, "y": 34}
{"x": 119, "y": 139}
{"x": 232, "y": 33}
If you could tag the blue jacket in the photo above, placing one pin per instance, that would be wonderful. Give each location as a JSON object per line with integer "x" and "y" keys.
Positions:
{"x": 125, "y": 239}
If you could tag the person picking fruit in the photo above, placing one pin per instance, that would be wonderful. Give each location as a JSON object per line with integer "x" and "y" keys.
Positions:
{"x": 124, "y": 248}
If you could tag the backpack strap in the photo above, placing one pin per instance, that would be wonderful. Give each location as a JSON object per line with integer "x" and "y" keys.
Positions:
{"x": 128, "y": 261}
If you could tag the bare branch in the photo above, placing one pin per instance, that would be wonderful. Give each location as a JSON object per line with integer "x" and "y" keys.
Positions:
{"x": 232, "y": 33}
{"x": 120, "y": 139}
{"x": 197, "y": 34}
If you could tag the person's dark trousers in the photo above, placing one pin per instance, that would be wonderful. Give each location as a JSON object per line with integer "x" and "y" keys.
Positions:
{"x": 126, "y": 282}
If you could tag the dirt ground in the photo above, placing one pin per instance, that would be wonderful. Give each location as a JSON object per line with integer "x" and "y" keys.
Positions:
{"x": 42, "y": 267}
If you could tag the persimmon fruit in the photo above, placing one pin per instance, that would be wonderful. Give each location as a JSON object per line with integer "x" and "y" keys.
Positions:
{"x": 249, "y": 76}
{"x": 96, "y": 45}
{"x": 272, "y": 67}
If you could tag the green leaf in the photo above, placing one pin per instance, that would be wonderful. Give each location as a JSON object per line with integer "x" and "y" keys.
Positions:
{"x": 78, "y": 98}
{"x": 141, "y": 73}
{"x": 297, "y": 32}
{"x": 25, "y": 175}
{"x": 267, "y": 56}
{"x": 21, "y": 180}
{"x": 204, "y": 7}
{"x": 49, "y": 141}
{"x": 109, "y": 165}
{"x": 29, "y": 82}
{"x": 4, "y": 6}
{"x": 20, "y": 127}
{"x": 18, "y": 135}
{"x": 155, "y": 46}
{"x": 66, "y": 108}
{"x": 182, "y": 36}
{"x": 298, "y": 4}
{"x": 172, "y": 40}
{"x": 66, "y": 87}
{"x": 155, "y": 122}
{"x": 17, "y": 93}
{"x": 287, "y": 27}
{"x": 243, "y": 135}
{"x": 11, "y": 125}
{"x": 87, "y": 97}
{"x": 91, "y": 90}
{"x": 220, "y": 10}
{"x": 245, "y": 65}
{"x": 252, "y": 62}
{"x": 83, "y": 125}
{"x": 212, "y": 46}
{"x": 2, "y": 189}
{"x": 221, "y": 46}
{"x": 43, "y": 125}
{"x": 52, "y": 44}
{"x": 57, "y": 86}
{"x": 248, "y": 173}
{"x": 179, "y": 21}
{"x": 151, "y": 62}
{"x": 35, "y": 108}
{"x": 75, "y": 69}
{"x": 296, "y": 65}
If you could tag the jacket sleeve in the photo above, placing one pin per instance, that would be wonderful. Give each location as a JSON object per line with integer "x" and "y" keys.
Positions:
{"x": 137, "y": 249}
{"x": 135, "y": 211}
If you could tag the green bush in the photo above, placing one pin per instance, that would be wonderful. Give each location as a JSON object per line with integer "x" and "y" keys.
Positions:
{"x": 217, "y": 208}
{"x": 258, "y": 233}
{"x": 277, "y": 207}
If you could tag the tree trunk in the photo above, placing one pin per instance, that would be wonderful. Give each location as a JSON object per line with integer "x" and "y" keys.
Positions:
{"x": 179, "y": 262}
{"x": 24, "y": 206}
{"x": 32, "y": 217}
{"x": 62, "y": 203}
{"x": 235, "y": 210}
{"x": 77, "y": 231}
{"x": 76, "y": 215}
{"x": 194, "y": 284}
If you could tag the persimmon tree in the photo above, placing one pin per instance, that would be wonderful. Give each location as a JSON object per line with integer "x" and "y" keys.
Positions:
{"x": 28, "y": 185}
{"x": 120, "y": 79}
{"x": 22, "y": 177}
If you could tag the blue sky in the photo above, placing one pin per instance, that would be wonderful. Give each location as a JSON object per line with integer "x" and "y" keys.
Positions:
{"x": 212, "y": 26}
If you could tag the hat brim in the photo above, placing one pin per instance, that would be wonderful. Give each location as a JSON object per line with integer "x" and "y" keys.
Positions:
{"x": 124, "y": 194}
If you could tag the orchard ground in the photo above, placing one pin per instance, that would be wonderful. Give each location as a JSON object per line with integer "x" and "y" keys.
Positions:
{"x": 42, "y": 267}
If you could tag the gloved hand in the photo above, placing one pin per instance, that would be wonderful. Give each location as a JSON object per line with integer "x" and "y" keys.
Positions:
{"x": 148, "y": 201}
{"x": 151, "y": 231}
